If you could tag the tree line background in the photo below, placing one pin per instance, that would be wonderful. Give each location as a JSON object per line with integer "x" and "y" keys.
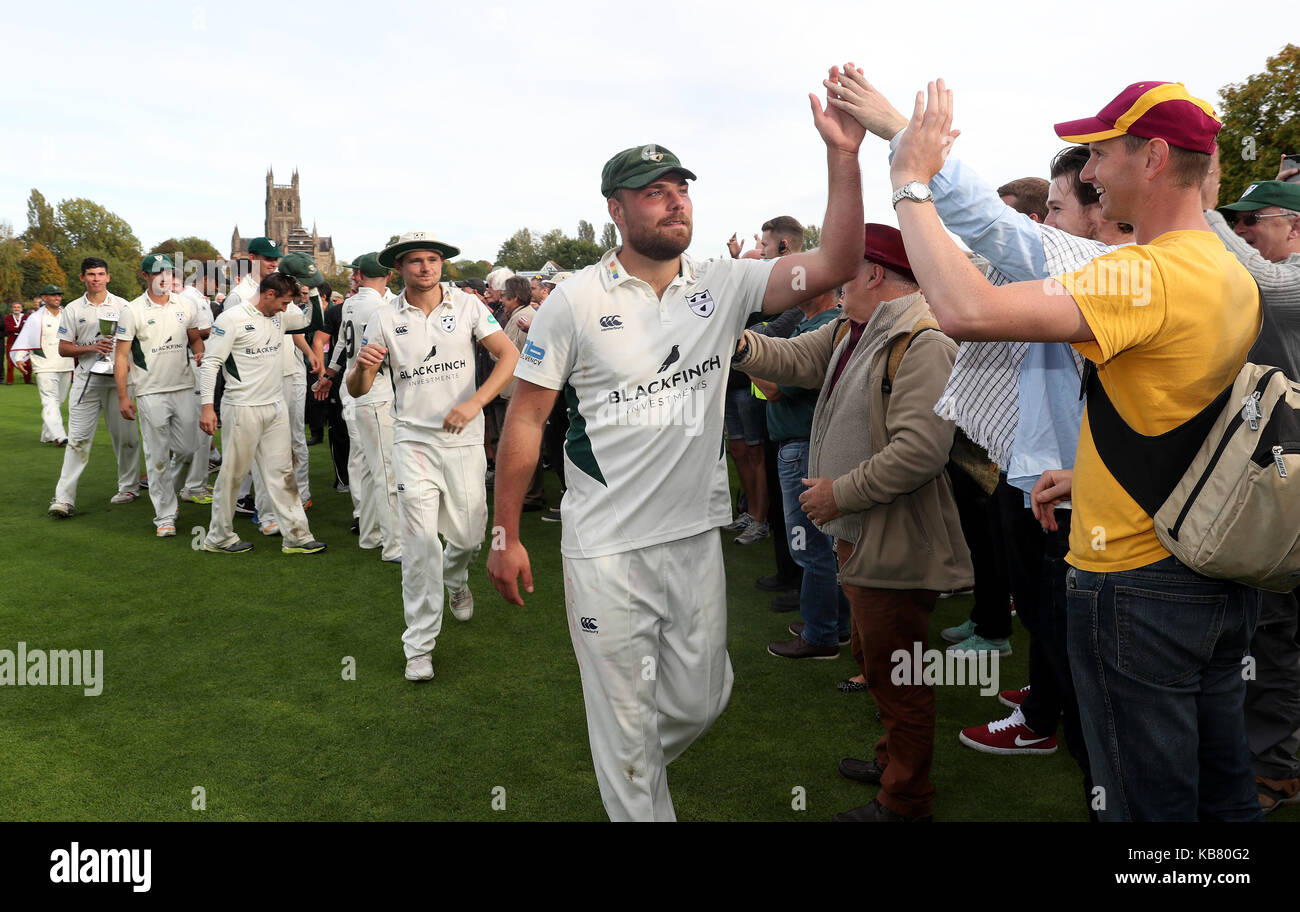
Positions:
{"x": 1261, "y": 122}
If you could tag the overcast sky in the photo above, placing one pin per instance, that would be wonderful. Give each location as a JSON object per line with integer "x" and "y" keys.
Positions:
{"x": 474, "y": 120}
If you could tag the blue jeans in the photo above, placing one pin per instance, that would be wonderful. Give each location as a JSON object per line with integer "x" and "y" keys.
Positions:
{"x": 823, "y": 607}
{"x": 1156, "y": 656}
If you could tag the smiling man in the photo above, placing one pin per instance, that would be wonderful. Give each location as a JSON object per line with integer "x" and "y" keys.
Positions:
{"x": 1169, "y": 321}
{"x": 425, "y": 341}
{"x": 640, "y": 344}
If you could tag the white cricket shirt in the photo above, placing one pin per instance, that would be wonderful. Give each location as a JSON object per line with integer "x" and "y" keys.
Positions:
{"x": 431, "y": 360}
{"x": 248, "y": 345}
{"x": 50, "y": 362}
{"x": 79, "y": 324}
{"x": 645, "y": 382}
{"x": 159, "y": 338}
{"x": 357, "y": 311}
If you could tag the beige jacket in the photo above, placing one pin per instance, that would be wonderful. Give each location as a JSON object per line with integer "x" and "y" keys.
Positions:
{"x": 516, "y": 330}
{"x": 887, "y": 463}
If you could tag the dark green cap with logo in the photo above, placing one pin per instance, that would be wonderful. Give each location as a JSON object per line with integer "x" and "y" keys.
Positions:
{"x": 1265, "y": 194}
{"x": 302, "y": 268}
{"x": 634, "y": 168}
{"x": 264, "y": 246}
{"x": 369, "y": 266}
{"x": 50, "y": 290}
{"x": 155, "y": 263}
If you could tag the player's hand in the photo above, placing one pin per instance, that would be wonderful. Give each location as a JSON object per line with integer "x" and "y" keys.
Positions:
{"x": 459, "y": 416}
{"x": 1283, "y": 172}
{"x": 818, "y": 500}
{"x": 104, "y": 346}
{"x": 506, "y": 568}
{"x": 208, "y": 420}
{"x": 867, "y": 106}
{"x": 733, "y": 246}
{"x": 198, "y": 359}
{"x": 322, "y": 388}
{"x": 1052, "y": 487}
{"x": 127, "y": 408}
{"x": 838, "y": 129}
{"x": 314, "y": 364}
{"x": 371, "y": 356}
{"x": 929, "y": 136}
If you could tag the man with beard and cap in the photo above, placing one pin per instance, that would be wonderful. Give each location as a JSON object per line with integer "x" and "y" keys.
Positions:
{"x": 640, "y": 344}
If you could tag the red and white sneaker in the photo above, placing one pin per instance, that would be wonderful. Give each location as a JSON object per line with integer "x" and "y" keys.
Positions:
{"x": 1013, "y": 698}
{"x": 1008, "y": 736}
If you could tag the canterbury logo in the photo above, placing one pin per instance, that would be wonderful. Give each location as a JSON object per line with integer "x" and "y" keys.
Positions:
{"x": 588, "y": 624}
{"x": 611, "y": 321}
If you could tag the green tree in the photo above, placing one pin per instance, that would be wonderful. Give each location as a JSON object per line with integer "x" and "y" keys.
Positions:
{"x": 86, "y": 225}
{"x": 586, "y": 232}
{"x": 812, "y": 237}
{"x": 39, "y": 268}
{"x": 191, "y": 248}
{"x": 608, "y": 237}
{"x": 11, "y": 269}
{"x": 123, "y": 274}
{"x": 1261, "y": 122}
{"x": 520, "y": 252}
{"x": 41, "y": 226}
{"x": 571, "y": 253}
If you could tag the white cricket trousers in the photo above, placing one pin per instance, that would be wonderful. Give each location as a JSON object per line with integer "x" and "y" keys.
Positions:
{"x": 53, "y": 387}
{"x": 258, "y": 432}
{"x": 368, "y": 535}
{"x": 440, "y": 489}
{"x": 375, "y": 481}
{"x": 295, "y": 396}
{"x": 195, "y": 480}
{"x": 167, "y": 424}
{"x": 649, "y": 628}
{"x": 83, "y": 420}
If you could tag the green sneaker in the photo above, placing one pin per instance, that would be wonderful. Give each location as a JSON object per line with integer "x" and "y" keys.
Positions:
{"x": 960, "y": 632}
{"x": 239, "y": 547}
{"x": 311, "y": 547}
{"x": 975, "y": 644}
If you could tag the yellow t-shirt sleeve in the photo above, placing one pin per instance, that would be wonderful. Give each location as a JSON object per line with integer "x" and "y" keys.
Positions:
{"x": 1121, "y": 295}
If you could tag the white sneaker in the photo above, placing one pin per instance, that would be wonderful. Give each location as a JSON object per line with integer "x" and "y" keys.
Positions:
{"x": 462, "y": 604}
{"x": 740, "y": 524}
{"x": 269, "y": 528}
{"x": 755, "y": 531}
{"x": 123, "y": 497}
{"x": 60, "y": 509}
{"x": 420, "y": 668}
{"x": 166, "y": 530}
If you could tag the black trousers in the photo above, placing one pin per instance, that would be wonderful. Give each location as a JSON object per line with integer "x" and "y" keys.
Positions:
{"x": 340, "y": 445}
{"x": 980, "y": 527}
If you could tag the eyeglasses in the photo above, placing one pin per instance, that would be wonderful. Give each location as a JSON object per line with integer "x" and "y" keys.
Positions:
{"x": 1251, "y": 219}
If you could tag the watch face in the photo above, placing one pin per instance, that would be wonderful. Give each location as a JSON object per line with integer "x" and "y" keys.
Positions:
{"x": 918, "y": 191}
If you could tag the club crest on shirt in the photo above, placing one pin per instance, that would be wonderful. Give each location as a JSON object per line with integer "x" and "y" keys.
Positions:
{"x": 701, "y": 304}
{"x": 448, "y": 322}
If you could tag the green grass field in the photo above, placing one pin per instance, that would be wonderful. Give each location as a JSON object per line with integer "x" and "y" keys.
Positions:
{"x": 225, "y": 673}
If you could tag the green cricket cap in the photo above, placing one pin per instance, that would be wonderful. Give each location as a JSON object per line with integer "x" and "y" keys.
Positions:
{"x": 634, "y": 168}
{"x": 369, "y": 266}
{"x": 264, "y": 246}
{"x": 301, "y": 268}
{"x": 1267, "y": 193}
{"x": 50, "y": 290}
{"x": 155, "y": 263}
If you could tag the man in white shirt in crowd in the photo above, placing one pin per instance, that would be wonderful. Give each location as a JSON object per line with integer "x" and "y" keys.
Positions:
{"x": 425, "y": 340}
{"x": 53, "y": 372}
{"x": 194, "y": 484}
{"x": 247, "y": 343}
{"x": 155, "y": 334}
{"x": 369, "y": 418}
{"x": 87, "y": 327}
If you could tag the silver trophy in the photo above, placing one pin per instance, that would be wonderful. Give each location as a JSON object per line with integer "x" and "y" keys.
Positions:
{"x": 107, "y": 330}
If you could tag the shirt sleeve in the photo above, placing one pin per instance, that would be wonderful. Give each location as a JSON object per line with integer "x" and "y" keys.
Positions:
{"x": 551, "y": 347}
{"x": 339, "y": 351}
{"x": 1121, "y": 295}
{"x": 202, "y": 316}
{"x": 749, "y": 283}
{"x": 485, "y": 324}
{"x": 67, "y": 328}
{"x": 216, "y": 351}
{"x": 126, "y": 325}
{"x": 972, "y": 210}
{"x": 294, "y": 319}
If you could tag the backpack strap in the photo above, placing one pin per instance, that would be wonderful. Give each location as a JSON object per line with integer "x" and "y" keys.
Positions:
{"x": 841, "y": 330}
{"x": 899, "y": 349}
{"x": 1147, "y": 467}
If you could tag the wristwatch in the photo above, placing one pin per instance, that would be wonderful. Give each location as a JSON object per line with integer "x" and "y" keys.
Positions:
{"x": 913, "y": 190}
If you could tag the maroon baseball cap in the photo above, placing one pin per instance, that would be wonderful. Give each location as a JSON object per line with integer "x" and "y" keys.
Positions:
{"x": 884, "y": 245}
{"x": 1152, "y": 110}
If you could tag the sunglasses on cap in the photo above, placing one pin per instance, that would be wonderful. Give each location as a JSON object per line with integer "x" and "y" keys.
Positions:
{"x": 1251, "y": 219}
